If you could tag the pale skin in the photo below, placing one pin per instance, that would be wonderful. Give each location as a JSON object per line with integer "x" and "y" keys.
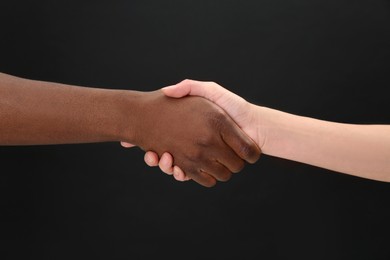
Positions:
{"x": 207, "y": 144}
{"x": 354, "y": 149}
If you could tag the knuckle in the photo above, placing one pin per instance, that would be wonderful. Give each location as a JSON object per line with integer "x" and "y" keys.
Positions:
{"x": 186, "y": 81}
{"x": 205, "y": 180}
{"x": 239, "y": 166}
{"x": 190, "y": 171}
{"x": 217, "y": 119}
{"x": 249, "y": 151}
{"x": 195, "y": 155}
{"x": 225, "y": 177}
{"x": 205, "y": 140}
{"x": 209, "y": 183}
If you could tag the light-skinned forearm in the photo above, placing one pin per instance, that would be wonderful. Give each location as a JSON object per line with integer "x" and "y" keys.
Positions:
{"x": 37, "y": 112}
{"x": 360, "y": 150}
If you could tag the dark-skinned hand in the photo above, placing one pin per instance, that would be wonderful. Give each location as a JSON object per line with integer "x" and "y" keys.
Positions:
{"x": 204, "y": 141}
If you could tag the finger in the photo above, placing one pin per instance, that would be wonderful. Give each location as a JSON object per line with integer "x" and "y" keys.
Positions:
{"x": 227, "y": 157}
{"x": 193, "y": 88}
{"x": 240, "y": 142}
{"x": 127, "y": 145}
{"x": 218, "y": 171}
{"x": 151, "y": 158}
{"x": 179, "y": 175}
{"x": 166, "y": 163}
{"x": 209, "y": 90}
{"x": 202, "y": 178}
{"x": 177, "y": 91}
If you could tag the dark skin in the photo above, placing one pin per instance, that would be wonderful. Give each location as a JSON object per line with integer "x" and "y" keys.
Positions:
{"x": 205, "y": 142}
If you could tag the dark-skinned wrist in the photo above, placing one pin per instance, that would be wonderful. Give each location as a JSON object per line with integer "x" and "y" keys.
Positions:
{"x": 130, "y": 109}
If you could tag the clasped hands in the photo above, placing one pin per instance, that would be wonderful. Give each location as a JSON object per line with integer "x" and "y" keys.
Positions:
{"x": 199, "y": 138}
{"x": 193, "y": 130}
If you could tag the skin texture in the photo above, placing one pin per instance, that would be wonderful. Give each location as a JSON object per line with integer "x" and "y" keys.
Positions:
{"x": 359, "y": 150}
{"x": 204, "y": 140}
{"x": 239, "y": 109}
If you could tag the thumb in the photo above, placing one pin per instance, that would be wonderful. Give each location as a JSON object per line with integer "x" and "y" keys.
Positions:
{"x": 193, "y": 88}
{"x": 234, "y": 105}
{"x": 177, "y": 91}
{"x": 208, "y": 90}
{"x": 127, "y": 145}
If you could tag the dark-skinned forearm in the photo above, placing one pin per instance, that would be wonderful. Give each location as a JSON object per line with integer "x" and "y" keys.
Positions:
{"x": 36, "y": 112}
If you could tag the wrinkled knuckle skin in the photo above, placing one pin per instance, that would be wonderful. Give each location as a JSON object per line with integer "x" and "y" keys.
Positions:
{"x": 250, "y": 152}
{"x": 256, "y": 154}
{"x": 217, "y": 120}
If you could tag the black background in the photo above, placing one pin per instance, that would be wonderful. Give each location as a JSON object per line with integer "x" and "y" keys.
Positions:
{"x": 318, "y": 58}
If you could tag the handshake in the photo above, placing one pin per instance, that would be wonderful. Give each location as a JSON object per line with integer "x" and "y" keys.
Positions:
{"x": 196, "y": 130}
{"x": 193, "y": 130}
